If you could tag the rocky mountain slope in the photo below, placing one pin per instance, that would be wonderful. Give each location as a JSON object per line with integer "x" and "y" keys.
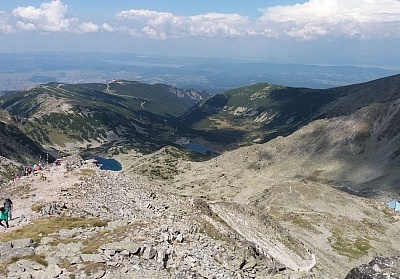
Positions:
{"x": 325, "y": 183}
{"x": 81, "y": 222}
{"x": 311, "y": 190}
{"x": 78, "y": 221}
{"x": 307, "y": 205}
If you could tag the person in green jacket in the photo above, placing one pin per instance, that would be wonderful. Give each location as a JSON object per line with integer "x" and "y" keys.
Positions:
{"x": 4, "y": 217}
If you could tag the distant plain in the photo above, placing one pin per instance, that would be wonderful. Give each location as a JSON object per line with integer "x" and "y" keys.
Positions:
{"x": 22, "y": 70}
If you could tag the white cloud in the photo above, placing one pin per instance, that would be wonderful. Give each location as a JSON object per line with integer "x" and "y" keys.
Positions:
{"x": 26, "y": 26}
{"x": 4, "y": 26}
{"x": 158, "y": 25}
{"x": 107, "y": 27}
{"x": 50, "y": 16}
{"x": 88, "y": 27}
{"x": 313, "y": 19}
{"x": 350, "y": 18}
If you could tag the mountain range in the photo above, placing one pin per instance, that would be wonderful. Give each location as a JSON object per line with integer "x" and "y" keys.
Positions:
{"x": 67, "y": 118}
{"x": 300, "y": 173}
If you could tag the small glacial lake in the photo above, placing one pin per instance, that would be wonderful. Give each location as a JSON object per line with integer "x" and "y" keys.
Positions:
{"x": 198, "y": 147}
{"x": 108, "y": 164}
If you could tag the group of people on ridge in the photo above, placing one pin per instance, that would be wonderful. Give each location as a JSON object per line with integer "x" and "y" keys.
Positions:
{"x": 6, "y": 213}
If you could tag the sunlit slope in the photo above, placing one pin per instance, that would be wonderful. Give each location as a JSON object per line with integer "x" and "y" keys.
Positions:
{"x": 259, "y": 112}
{"x": 95, "y": 114}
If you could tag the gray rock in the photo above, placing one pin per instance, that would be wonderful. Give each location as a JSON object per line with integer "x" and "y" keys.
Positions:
{"x": 53, "y": 271}
{"x": 133, "y": 248}
{"x": 236, "y": 263}
{"x": 68, "y": 250}
{"x": 46, "y": 240}
{"x": 109, "y": 253}
{"x": 22, "y": 266}
{"x": 65, "y": 234}
{"x": 92, "y": 258}
{"x": 250, "y": 265}
{"x": 24, "y": 242}
{"x": 149, "y": 253}
{"x": 112, "y": 263}
{"x": 125, "y": 253}
{"x": 16, "y": 253}
{"x": 25, "y": 275}
{"x": 99, "y": 274}
{"x": 162, "y": 255}
{"x": 76, "y": 260}
{"x": 377, "y": 268}
{"x": 179, "y": 238}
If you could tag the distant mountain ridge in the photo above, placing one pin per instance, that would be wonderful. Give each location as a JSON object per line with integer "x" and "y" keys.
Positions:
{"x": 261, "y": 112}
{"x": 81, "y": 117}
{"x": 57, "y": 114}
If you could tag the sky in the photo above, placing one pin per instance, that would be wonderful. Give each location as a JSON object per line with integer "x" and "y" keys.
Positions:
{"x": 333, "y": 32}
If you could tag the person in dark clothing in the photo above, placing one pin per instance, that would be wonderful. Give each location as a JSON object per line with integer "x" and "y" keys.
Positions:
{"x": 8, "y": 205}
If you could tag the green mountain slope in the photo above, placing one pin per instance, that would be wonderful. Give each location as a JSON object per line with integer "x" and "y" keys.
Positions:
{"x": 15, "y": 146}
{"x": 259, "y": 112}
{"x": 70, "y": 117}
{"x": 90, "y": 115}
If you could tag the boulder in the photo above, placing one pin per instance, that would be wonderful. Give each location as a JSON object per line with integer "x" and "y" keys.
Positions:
{"x": 65, "y": 234}
{"x": 92, "y": 258}
{"x": 133, "y": 248}
{"x": 16, "y": 253}
{"x": 24, "y": 242}
{"x": 149, "y": 253}
{"x": 377, "y": 268}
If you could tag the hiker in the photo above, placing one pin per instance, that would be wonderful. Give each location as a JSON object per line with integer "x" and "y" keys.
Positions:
{"x": 8, "y": 205}
{"x": 4, "y": 217}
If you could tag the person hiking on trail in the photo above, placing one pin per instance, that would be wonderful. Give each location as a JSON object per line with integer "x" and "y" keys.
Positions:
{"x": 4, "y": 217}
{"x": 8, "y": 205}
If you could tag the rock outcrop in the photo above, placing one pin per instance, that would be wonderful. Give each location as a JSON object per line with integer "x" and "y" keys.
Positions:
{"x": 377, "y": 268}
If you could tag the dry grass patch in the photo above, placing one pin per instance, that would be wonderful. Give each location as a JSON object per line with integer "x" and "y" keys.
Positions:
{"x": 212, "y": 232}
{"x": 66, "y": 264}
{"x": 20, "y": 190}
{"x": 37, "y": 207}
{"x": 352, "y": 248}
{"x": 42, "y": 227}
{"x": 91, "y": 245}
{"x": 299, "y": 221}
{"x": 317, "y": 176}
{"x": 91, "y": 268}
{"x": 87, "y": 172}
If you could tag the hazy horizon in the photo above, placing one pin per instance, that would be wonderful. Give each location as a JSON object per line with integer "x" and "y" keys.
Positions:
{"x": 214, "y": 74}
{"x": 357, "y": 32}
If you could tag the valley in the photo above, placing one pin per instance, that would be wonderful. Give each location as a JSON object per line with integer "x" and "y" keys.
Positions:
{"x": 296, "y": 187}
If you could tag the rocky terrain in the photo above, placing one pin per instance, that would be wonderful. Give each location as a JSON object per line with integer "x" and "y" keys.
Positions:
{"x": 326, "y": 184}
{"x": 76, "y": 221}
{"x": 310, "y": 204}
